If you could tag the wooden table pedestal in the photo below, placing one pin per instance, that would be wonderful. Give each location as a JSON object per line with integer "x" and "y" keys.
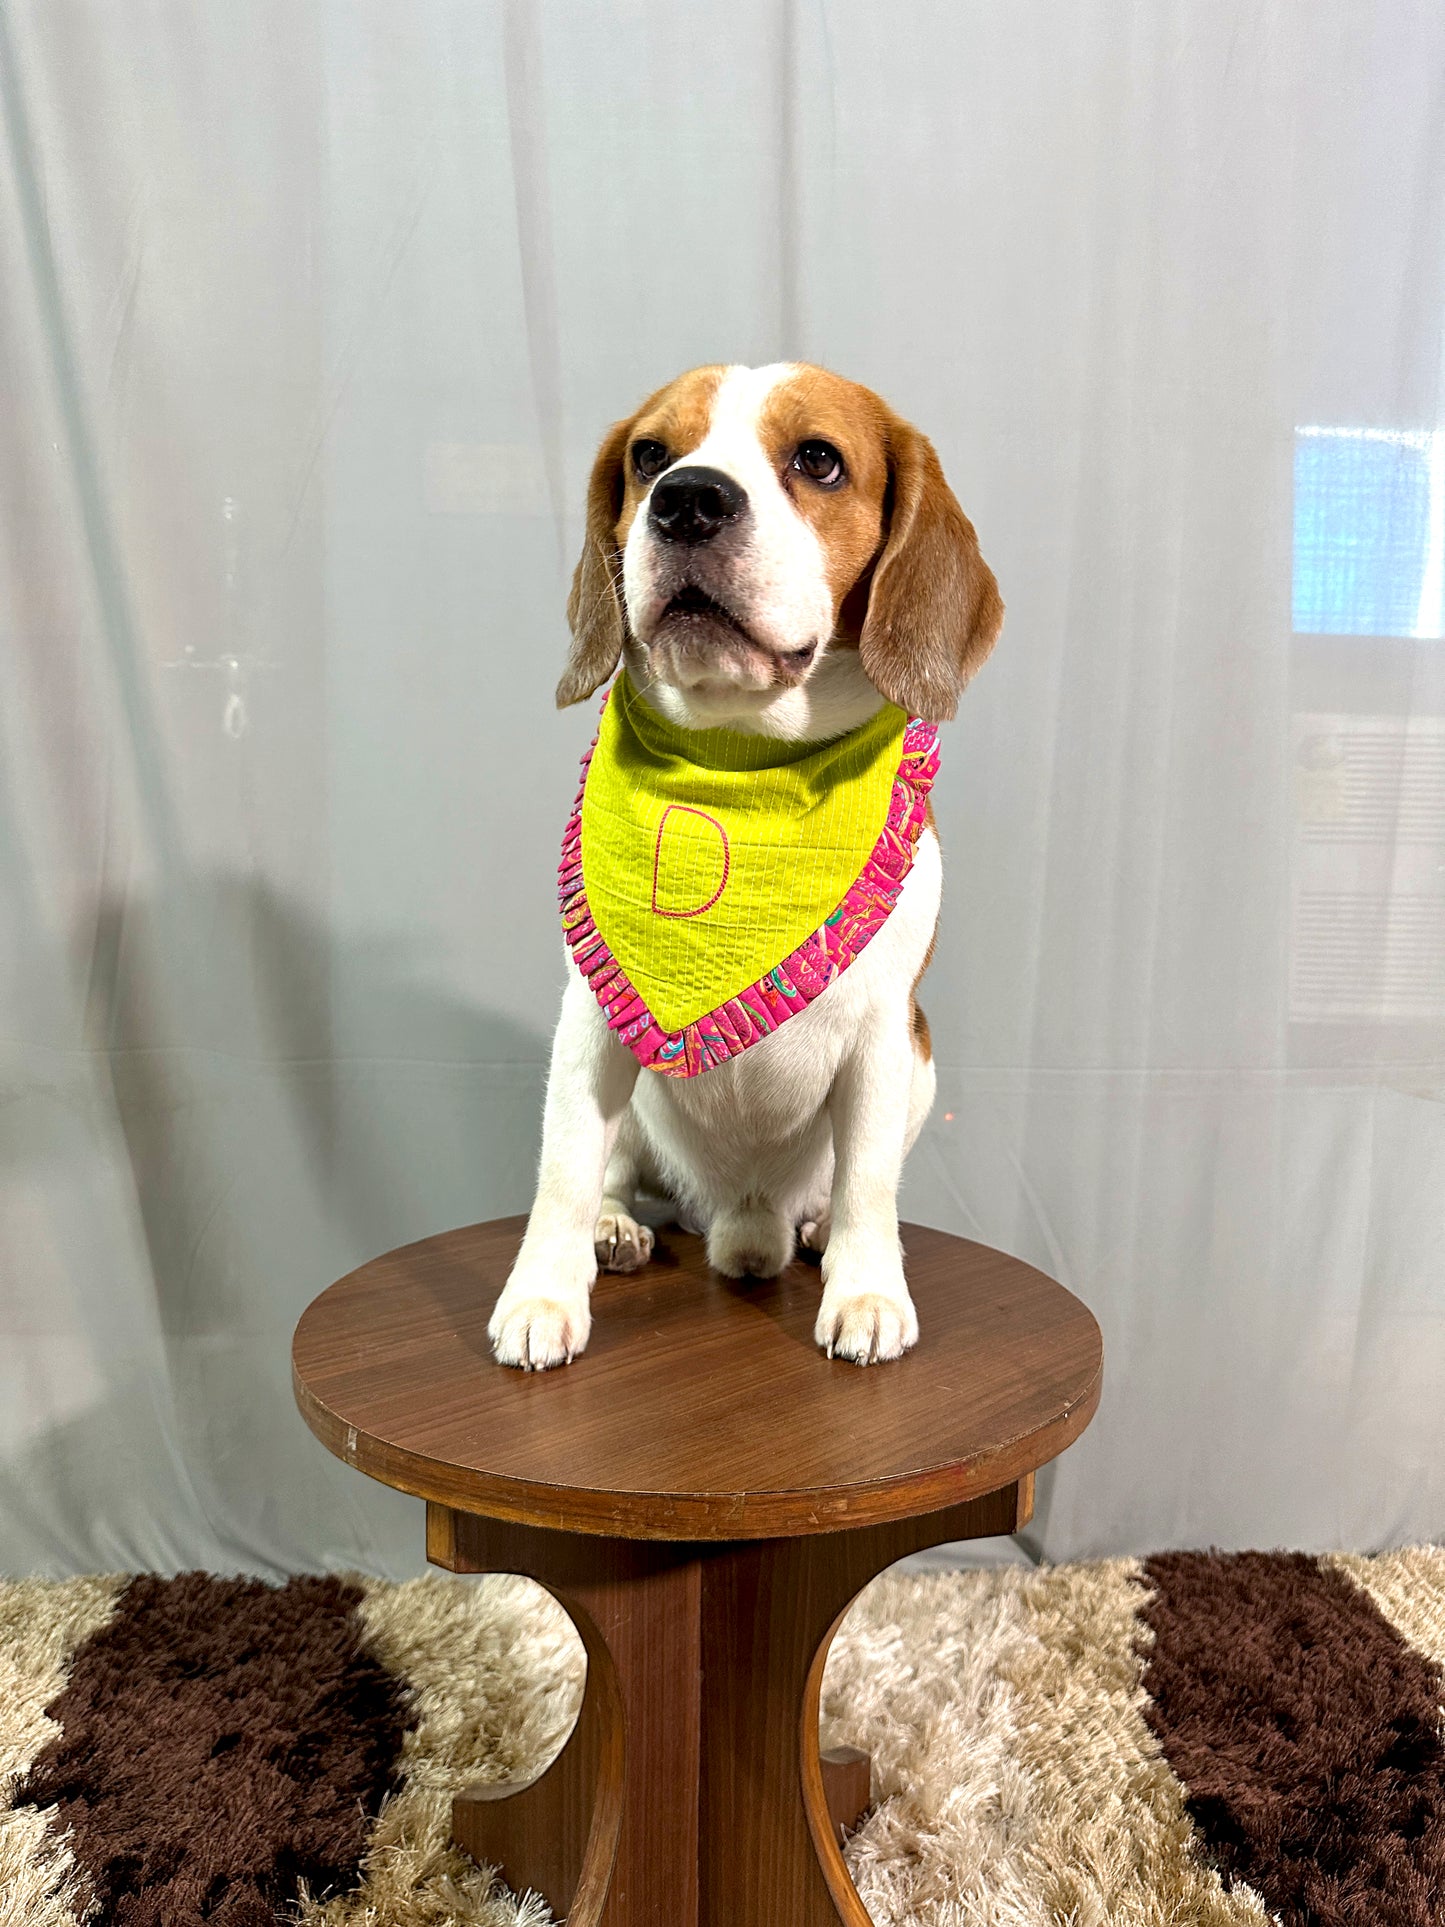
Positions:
{"x": 705, "y": 1494}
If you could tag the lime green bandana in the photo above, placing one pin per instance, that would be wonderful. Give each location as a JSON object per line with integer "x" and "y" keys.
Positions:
{"x": 713, "y": 883}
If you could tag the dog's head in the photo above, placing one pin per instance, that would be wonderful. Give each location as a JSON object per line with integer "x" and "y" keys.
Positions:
{"x": 748, "y": 523}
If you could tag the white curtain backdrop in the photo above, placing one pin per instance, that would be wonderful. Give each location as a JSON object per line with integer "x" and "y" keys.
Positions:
{"x": 311, "y": 313}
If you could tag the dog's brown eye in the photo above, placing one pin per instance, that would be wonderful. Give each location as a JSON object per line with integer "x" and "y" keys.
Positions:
{"x": 820, "y": 462}
{"x": 648, "y": 459}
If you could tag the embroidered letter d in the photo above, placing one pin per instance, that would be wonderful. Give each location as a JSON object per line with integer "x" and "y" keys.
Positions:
{"x": 689, "y": 862}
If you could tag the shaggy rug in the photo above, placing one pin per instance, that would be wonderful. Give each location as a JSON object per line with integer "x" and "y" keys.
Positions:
{"x": 1195, "y": 1738}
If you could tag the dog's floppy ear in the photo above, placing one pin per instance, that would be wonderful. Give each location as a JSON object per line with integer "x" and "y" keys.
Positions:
{"x": 934, "y": 610}
{"x": 594, "y": 608}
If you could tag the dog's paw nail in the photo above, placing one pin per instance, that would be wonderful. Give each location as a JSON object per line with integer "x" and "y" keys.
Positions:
{"x": 867, "y": 1327}
{"x": 813, "y": 1234}
{"x": 621, "y": 1243}
{"x": 535, "y": 1333}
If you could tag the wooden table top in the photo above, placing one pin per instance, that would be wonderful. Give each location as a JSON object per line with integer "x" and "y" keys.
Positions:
{"x": 701, "y": 1408}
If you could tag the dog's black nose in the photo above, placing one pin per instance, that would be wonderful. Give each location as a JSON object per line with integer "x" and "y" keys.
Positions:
{"x": 692, "y": 504}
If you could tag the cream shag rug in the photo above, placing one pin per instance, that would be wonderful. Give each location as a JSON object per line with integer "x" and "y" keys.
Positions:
{"x": 1194, "y": 1739}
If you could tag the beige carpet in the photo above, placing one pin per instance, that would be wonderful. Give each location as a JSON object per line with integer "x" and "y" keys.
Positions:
{"x": 1159, "y": 1744}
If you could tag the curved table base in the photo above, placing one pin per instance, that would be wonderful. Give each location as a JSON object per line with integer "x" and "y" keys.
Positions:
{"x": 691, "y": 1789}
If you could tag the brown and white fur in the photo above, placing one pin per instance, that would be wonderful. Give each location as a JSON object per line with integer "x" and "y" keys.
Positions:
{"x": 813, "y": 599}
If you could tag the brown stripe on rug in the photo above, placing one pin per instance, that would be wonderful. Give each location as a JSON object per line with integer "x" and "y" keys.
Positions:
{"x": 1016, "y": 1782}
{"x": 1306, "y": 1732}
{"x": 493, "y": 1670}
{"x": 221, "y": 1741}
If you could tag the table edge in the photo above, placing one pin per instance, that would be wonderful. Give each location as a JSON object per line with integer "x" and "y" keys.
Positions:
{"x": 700, "y": 1516}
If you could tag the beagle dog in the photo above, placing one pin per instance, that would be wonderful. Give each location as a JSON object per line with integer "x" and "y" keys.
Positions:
{"x": 771, "y": 551}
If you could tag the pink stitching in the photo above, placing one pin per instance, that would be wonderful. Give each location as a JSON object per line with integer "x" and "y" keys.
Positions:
{"x": 791, "y": 985}
{"x": 688, "y": 810}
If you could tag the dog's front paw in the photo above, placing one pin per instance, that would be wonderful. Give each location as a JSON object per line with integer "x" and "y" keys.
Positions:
{"x": 537, "y": 1324}
{"x": 866, "y": 1327}
{"x": 622, "y": 1243}
{"x": 813, "y": 1234}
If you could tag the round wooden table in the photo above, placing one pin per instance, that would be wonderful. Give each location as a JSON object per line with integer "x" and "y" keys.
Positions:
{"x": 705, "y": 1493}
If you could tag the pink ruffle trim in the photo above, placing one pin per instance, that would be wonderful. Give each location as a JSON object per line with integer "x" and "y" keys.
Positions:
{"x": 793, "y": 984}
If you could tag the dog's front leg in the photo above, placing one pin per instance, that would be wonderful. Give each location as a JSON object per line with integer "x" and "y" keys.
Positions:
{"x": 542, "y": 1317}
{"x": 866, "y": 1313}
